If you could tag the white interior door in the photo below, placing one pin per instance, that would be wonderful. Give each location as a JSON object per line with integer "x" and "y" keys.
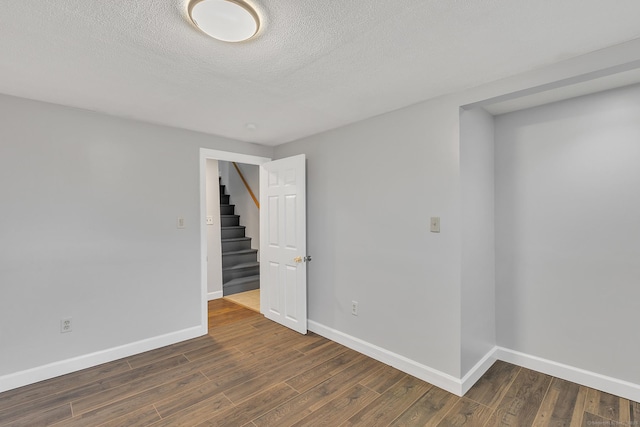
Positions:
{"x": 283, "y": 242}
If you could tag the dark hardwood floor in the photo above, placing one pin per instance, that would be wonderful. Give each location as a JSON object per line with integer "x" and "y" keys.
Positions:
{"x": 252, "y": 372}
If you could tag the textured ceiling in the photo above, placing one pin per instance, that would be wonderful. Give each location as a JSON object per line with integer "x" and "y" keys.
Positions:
{"x": 315, "y": 65}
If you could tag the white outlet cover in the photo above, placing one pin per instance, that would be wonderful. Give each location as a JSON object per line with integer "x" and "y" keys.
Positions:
{"x": 209, "y": 220}
{"x": 66, "y": 325}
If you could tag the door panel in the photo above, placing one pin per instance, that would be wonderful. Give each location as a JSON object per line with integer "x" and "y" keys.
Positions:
{"x": 283, "y": 271}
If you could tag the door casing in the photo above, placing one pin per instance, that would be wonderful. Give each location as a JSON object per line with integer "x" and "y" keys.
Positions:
{"x": 209, "y": 154}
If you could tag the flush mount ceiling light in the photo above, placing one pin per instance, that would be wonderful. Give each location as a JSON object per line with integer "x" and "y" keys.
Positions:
{"x": 226, "y": 20}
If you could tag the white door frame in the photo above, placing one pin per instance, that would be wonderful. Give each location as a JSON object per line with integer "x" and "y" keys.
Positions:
{"x": 227, "y": 156}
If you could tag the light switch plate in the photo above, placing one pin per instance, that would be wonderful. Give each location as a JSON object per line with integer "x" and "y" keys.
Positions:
{"x": 180, "y": 223}
{"x": 435, "y": 224}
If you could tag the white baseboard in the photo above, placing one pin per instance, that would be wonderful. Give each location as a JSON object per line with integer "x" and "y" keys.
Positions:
{"x": 459, "y": 387}
{"x": 51, "y": 370}
{"x": 580, "y": 376}
{"x": 478, "y": 370}
{"x": 433, "y": 376}
{"x": 214, "y": 295}
{"x": 411, "y": 367}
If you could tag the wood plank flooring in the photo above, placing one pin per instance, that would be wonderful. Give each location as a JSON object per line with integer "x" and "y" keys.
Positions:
{"x": 250, "y": 372}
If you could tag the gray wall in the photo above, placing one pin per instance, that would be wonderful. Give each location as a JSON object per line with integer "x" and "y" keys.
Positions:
{"x": 568, "y": 232}
{"x": 88, "y": 230}
{"x": 478, "y": 334}
{"x": 371, "y": 189}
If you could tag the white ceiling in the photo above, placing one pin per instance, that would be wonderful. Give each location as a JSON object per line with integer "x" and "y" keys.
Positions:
{"x": 315, "y": 65}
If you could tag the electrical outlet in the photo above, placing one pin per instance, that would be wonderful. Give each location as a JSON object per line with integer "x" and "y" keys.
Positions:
{"x": 354, "y": 308}
{"x": 180, "y": 223}
{"x": 66, "y": 325}
{"x": 209, "y": 220}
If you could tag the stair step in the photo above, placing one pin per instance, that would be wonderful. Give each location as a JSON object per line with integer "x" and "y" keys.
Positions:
{"x": 236, "y": 244}
{"x": 229, "y": 220}
{"x": 227, "y": 209}
{"x": 239, "y": 257}
{"x": 224, "y": 199}
{"x": 241, "y": 266}
{"x": 243, "y": 284}
{"x": 241, "y": 251}
{"x": 240, "y": 270}
{"x": 231, "y": 232}
{"x": 241, "y": 280}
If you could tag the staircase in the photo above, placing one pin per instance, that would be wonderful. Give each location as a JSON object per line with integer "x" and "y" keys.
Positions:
{"x": 240, "y": 267}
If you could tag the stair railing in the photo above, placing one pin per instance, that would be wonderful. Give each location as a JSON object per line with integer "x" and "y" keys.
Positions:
{"x": 246, "y": 184}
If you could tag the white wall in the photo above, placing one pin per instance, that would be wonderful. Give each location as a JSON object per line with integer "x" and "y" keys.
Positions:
{"x": 223, "y": 170}
{"x": 478, "y": 336}
{"x": 88, "y": 230}
{"x": 568, "y": 232}
{"x": 371, "y": 189}
{"x": 214, "y": 249}
{"x": 245, "y": 206}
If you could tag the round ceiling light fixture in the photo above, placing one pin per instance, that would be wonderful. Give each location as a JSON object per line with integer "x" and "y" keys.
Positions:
{"x": 226, "y": 20}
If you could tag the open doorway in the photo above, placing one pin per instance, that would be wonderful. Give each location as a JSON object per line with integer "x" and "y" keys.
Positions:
{"x": 283, "y": 272}
{"x": 239, "y": 208}
{"x": 214, "y": 168}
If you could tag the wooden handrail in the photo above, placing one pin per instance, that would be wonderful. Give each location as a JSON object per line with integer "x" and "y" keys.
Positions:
{"x": 253, "y": 196}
